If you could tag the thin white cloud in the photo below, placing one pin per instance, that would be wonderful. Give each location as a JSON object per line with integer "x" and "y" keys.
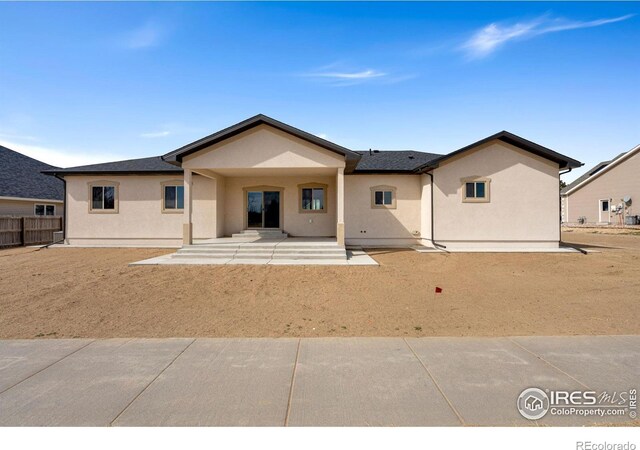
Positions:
{"x": 493, "y": 36}
{"x": 362, "y": 75}
{"x": 148, "y": 35}
{"x": 58, "y": 157}
{"x": 156, "y": 134}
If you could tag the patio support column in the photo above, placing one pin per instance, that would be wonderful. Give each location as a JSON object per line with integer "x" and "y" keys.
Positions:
{"x": 187, "y": 227}
{"x": 340, "y": 206}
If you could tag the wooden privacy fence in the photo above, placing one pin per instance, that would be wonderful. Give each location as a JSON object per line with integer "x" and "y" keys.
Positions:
{"x": 15, "y": 231}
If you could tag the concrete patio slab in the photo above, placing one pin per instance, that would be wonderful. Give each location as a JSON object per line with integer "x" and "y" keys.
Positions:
{"x": 483, "y": 377}
{"x": 220, "y": 382}
{"x": 90, "y": 387}
{"x": 21, "y": 359}
{"x": 364, "y": 382}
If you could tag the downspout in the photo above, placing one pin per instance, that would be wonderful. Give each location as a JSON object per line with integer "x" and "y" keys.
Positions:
{"x": 64, "y": 205}
{"x": 433, "y": 241}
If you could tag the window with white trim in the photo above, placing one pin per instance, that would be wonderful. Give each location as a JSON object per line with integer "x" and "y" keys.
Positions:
{"x": 44, "y": 210}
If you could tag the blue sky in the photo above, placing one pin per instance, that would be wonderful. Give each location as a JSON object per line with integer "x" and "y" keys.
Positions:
{"x": 90, "y": 82}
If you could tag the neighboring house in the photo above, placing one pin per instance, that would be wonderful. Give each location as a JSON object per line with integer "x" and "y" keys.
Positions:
{"x": 25, "y": 190}
{"x": 598, "y": 196}
{"x": 500, "y": 192}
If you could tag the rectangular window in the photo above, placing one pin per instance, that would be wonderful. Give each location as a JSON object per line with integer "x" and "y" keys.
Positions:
{"x": 44, "y": 210}
{"x": 174, "y": 197}
{"x": 313, "y": 199}
{"x": 605, "y": 205}
{"x": 475, "y": 189}
{"x": 383, "y": 197}
{"x": 103, "y": 197}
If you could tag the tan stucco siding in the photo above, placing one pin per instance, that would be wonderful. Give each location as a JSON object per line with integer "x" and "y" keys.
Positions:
{"x": 294, "y": 222}
{"x": 263, "y": 148}
{"x": 614, "y": 184}
{"x": 26, "y": 208}
{"x": 523, "y": 206}
{"x": 139, "y": 220}
{"x": 371, "y": 226}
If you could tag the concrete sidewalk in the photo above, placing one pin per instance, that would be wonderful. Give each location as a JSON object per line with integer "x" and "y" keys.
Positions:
{"x": 323, "y": 381}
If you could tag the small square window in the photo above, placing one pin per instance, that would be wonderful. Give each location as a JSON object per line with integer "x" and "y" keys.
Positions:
{"x": 383, "y": 197}
{"x": 50, "y": 210}
{"x": 39, "y": 210}
{"x": 476, "y": 191}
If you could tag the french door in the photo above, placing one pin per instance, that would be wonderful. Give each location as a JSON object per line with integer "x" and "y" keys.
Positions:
{"x": 263, "y": 209}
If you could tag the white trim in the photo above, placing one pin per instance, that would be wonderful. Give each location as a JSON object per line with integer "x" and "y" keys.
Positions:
{"x": 623, "y": 158}
{"x": 24, "y": 199}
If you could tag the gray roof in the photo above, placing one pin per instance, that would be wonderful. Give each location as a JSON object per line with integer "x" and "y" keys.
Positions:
{"x": 392, "y": 160}
{"x": 21, "y": 177}
{"x": 154, "y": 164}
{"x": 595, "y": 169}
{"x": 381, "y": 161}
{"x": 563, "y": 161}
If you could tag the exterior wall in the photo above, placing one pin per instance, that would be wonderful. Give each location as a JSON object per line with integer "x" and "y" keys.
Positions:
{"x": 294, "y": 222}
{"x": 614, "y": 184}
{"x": 26, "y": 208}
{"x": 263, "y": 147}
{"x": 365, "y": 225}
{"x": 139, "y": 220}
{"x": 523, "y": 210}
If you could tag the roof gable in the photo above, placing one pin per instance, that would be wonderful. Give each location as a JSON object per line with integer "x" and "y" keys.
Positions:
{"x": 598, "y": 170}
{"x": 564, "y": 162}
{"x": 176, "y": 156}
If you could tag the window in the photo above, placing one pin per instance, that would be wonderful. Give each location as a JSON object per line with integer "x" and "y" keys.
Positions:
{"x": 313, "y": 198}
{"x": 475, "y": 190}
{"x": 173, "y": 197}
{"x": 383, "y": 197}
{"x": 604, "y": 204}
{"x": 45, "y": 210}
{"x": 104, "y": 197}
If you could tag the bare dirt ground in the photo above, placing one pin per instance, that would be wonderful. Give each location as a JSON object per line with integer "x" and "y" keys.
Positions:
{"x": 94, "y": 293}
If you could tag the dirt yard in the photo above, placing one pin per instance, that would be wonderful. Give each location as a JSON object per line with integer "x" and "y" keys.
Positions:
{"x": 94, "y": 293}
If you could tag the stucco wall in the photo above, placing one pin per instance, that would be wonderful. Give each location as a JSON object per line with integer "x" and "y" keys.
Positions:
{"x": 26, "y": 208}
{"x": 524, "y": 200}
{"x": 620, "y": 181}
{"x": 263, "y": 147}
{"x": 139, "y": 220}
{"x": 294, "y": 222}
{"x": 365, "y": 225}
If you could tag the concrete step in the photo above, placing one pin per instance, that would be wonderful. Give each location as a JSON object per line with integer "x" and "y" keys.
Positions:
{"x": 201, "y": 255}
{"x": 268, "y": 234}
{"x": 301, "y": 256}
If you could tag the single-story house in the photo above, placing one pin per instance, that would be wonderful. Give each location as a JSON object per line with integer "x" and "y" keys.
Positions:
{"x": 25, "y": 190}
{"x": 262, "y": 174}
{"x": 605, "y": 194}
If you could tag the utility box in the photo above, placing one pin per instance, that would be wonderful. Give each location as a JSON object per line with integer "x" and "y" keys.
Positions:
{"x": 58, "y": 236}
{"x": 631, "y": 220}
